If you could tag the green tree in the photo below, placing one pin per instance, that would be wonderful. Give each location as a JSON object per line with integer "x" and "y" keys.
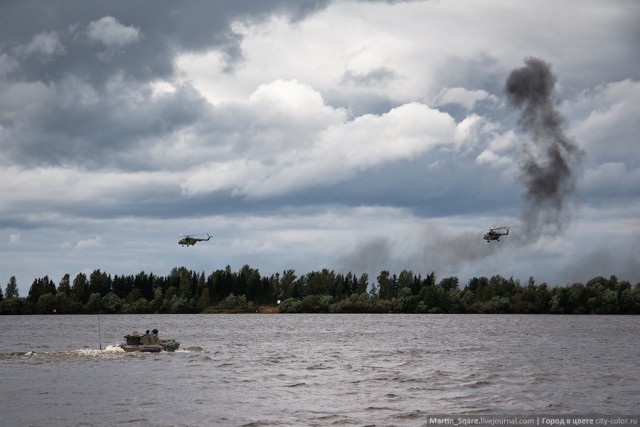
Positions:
{"x": 201, "y": 286}
{"x": 630, "y": 301}
{"x": 40, "y": 287}
{"x": 431, "y": 298}
{"x": 316, "y": 303}
{"x": 99, "y": 282}
{"x": 64, "y": 287}
{"x": 46, "y": 304}
{"x": 290, "y": 305}
{"x": 67, "y": 304}
{"x": 286, "y": 284}
{"x": 363, "y": 283}
{"x": 156, "y": 305}
{"x": 111, "y": 303}
{"x": 564, "y": 301}
{"x": 11, "y": 290}
{"x": 394, "y": 286}
{"x": 319, "y": 282}
{"x": 235, "y": 302}
{"x": 13, "y": 305}
{"x": 373, "y": 292}
{"x": 525, "y": 299}
{"x": 497, "y": 305}
{"x": 185, "y": 289}
{"x": 249, "y": 283}
{"x": 121, "y": 286}
{"x": 384, "y": 285}
{"x": 134, "y": 295}
{"x": 80, "y": 288}
{"x": 542, "y": 299}
{"x": 454, "y": 300}
{"x": 204, "y": 300}
{"x": 448, "y": 283}
{"x": 144, "y": 282}
{"x": 405, "y": 302}
{"x": 94, "y": 303}
{"x": 405, "y": 280}
{"x": 181, "y": 305}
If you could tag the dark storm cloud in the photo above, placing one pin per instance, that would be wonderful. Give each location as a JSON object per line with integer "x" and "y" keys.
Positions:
{"x": 74, "y": 75}
{"x": 75, "y": 124}
{"x": 444, "y": 189}
{"x": 547, "y": 167}
{"x": 166, "y": 27}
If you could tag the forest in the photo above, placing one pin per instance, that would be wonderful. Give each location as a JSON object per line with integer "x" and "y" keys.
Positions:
{"x": 246, "y": 291}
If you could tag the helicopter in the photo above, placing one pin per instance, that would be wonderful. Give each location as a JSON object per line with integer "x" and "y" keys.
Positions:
{"x": 495, "y": 233}
{"x": 190, "y": 240}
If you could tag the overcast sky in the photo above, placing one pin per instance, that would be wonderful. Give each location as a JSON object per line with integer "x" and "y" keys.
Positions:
{"x": 350, "y": 135}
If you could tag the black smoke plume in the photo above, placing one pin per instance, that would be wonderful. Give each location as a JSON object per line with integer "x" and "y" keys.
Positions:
{"x": 546, "y": 169}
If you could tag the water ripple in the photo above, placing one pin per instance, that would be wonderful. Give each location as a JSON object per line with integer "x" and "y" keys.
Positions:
{"x": 318, "y": 369}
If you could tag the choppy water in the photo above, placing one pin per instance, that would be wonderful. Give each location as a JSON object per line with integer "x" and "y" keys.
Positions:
{"x": 315, "y": 369}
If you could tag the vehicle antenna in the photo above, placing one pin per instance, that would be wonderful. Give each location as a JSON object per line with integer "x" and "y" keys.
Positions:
{"x": 99, "y": 332}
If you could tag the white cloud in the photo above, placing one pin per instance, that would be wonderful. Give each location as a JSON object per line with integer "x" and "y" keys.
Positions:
{"x": 162, "y": 87}
{"x": 111, "y": 33}
{"x": 491, "y": 158}
{"x": 66, "y": 187}
{"x": 96, "y": 242}
{"x": 283, "y": 100}
{"x": 414, "y": 43}
{"x": 15, "y": 238}
{"x": 499, "y": 151}
{"x": 503, "y": 141}
{"x": 45, "y": 45}
{"x": 466, "y": 98}
{"x": 320, "y": 146}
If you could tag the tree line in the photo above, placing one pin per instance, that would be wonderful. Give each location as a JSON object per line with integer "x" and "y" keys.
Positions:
{"x": 325, "y": 291}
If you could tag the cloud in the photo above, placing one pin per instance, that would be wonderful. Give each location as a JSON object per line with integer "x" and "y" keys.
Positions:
{"x": 463, "y": 97}
{"x": 370, "y": 78}
{"x": 96, "y": 242}
{"x": 612, "y": 179}
{"x": 8, "y": 64}
{"x": 320, "y": 145}
{"x": 77, "y": 192}
{"x": 46, "y": 46}
{"x": 408, "y": 51}
{"x": 491, "y": 158}
{"x": 74, "y": 122}
{"x": 287, "y": 103}
{"x": 258, "y": 121}
{"x": 111, "y": 33}
{"x": 15, "y": 238}
{"x": 606, "y": 121}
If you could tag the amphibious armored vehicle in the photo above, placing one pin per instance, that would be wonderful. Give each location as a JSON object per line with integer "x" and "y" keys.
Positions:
{"x": 148, "y": 343}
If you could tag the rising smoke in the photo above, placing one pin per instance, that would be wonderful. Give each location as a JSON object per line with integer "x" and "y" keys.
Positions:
{"x": 546, "y": 169}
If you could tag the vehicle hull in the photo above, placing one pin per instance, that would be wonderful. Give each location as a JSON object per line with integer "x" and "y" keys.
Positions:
{"x": 148, "y": 343}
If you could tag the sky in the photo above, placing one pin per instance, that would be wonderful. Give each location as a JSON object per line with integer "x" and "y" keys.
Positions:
{"x": 350, "y": 135}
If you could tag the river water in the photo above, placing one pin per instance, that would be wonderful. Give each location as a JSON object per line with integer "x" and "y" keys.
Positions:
{"x": 303, "y": 369}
